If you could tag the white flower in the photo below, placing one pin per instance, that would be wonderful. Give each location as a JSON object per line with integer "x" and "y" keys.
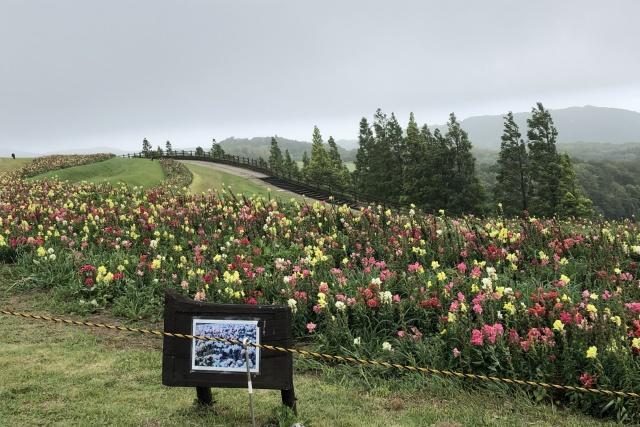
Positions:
{"x": 293, "y": 305}
{"x": 386, "y": 297}
{"x": 376, "y": 281}
{"x": 153, "y": 244}
{"x": 356, "y": 341}
{"x": 386, "y": 346}
{"x": 340, "y": 306}
{"x": 487, "y": 284}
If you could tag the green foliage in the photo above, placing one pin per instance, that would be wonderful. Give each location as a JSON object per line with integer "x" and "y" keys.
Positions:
{"x": 199, "y": 151}
{"x": 465, "y": 191}
{"x": 216, "y": 149}
{"x": 512, "y": 180}
{"x": 291, "y": 169}
{"x": 168, "y": 148}
{"x": 276, "y": 161}
{"x": 432, "y": 171}
{"x": 363, "y": 172}
{"x": 146, "y": 148}
{"x": 325, "y": 167}
{"x": 614, "y": 186}
{"x": 544, "y": 163}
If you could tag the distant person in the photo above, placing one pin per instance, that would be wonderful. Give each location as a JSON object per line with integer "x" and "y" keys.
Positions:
{"x": 13, "y": 156}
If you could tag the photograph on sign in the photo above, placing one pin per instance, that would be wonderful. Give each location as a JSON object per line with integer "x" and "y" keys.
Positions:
{"x": 222, "y": 356}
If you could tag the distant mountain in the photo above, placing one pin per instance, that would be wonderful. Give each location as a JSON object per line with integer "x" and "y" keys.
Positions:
{"x": 574, "y": 124}
{"x": 260, "y": 146}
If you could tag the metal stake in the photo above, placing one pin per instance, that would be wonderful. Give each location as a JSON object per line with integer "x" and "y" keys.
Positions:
{"x": 249, "y": 385}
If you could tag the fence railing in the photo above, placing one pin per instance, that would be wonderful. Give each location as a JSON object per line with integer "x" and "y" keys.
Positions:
{"x": 260, "y": 165}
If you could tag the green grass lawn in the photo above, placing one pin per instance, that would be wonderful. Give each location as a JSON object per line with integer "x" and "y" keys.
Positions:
{"x": 139, "y": 172}
{"x": 207, "y": 178}
{"x": 9, "y": 164}
{"x": 54, "y": 374}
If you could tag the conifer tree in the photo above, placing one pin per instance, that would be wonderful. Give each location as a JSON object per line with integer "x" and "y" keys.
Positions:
{"x": 544, "y": 163}
{"x": 159, "y": 152}
{"x": 319, "y": 168}
{"x": 290, "y": 166}
{"x": 340, "y": 176}
{"x": 305, "y": 164}
{"x": 512, "y": 180}
{"x": 146, "y": 148}
{"x": 216, "y": 149}
{"x": 276, "y": 161}
{"x": 199, "y": 151}
{"x": 465, "y": 193}
{"x": 362, "y": 174}
{"x": 416, "y": 170}
{"x": 169, "y": 149}
{"x": 396, "y": 162}
{"x": 573, "y": 203}
{"x": 379, "y": 183}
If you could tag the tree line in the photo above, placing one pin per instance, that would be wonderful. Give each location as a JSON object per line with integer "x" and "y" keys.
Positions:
{"x": 436, "y": 169}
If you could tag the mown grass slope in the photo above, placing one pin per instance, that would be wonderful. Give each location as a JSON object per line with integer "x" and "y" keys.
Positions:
{"x": 207, "y": 178}
{"x": 139, "y": 172}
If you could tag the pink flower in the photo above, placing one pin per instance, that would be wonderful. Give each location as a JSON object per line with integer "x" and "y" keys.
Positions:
{"x": 476, "y": 337}
{"x": 633, "y": 306}
{"x": 396, "y": 298}
{"x": 456, "y": 352}
{"x": 324, "y": 288}
{"x": 587, "y": 380}
{"x": 317, "y": 309}
{"x": 401, "y": 334}
{"x": 565, "y": 318}
{"x": 477, "y": 308}
{"x": 462, "y": 267}
{"x": 311, "y": 327}
{"x": 414, "y": 267}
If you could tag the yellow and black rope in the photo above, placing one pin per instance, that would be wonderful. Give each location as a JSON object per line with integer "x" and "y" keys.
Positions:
{"x": 337, "y": 358}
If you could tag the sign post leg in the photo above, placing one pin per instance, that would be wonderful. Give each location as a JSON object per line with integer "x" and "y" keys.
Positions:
{"x": 249, "y": 385}
{"x": 289, "y": 399}
{"x": 204, "y": 396}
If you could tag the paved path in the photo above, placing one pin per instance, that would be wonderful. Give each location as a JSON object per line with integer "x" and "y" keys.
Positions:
{"x": 253, "y": 176}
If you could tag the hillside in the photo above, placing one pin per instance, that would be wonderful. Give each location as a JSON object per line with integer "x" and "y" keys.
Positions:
{"x": 574, "y": 124}
{"x": 259, "y": 147}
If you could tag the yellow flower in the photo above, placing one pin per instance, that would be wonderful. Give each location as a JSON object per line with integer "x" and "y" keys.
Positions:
{"x": 558, "y": 325}
{"x": 41, "y": 251}
{"x": 592, "y": 352}
{"x": 155, "y": 264}
{"x": 451, "y": 317}
{"x": 591, "y": 308}
{"x": 509, "y": 308}
{"x": 635, "y": 343}
{"x": 442, "y": 276}
{"x": 565, "y": 279}
{"x": 435, "y": 265}
{"x": 616, "y": 320}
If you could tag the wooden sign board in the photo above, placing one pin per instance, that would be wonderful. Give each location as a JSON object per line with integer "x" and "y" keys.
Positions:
{"x": 205, "y": 364}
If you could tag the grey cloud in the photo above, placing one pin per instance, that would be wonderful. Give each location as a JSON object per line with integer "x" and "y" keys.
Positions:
{"x": 78, "y": 73}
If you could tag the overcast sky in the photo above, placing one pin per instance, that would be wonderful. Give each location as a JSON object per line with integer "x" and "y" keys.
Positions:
{"x": 95, "y": 73}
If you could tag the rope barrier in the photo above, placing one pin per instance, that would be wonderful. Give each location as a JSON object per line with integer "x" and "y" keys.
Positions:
{"x": 338, "y": 358}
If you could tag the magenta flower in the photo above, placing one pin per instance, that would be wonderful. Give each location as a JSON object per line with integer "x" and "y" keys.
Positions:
{"x": 476, "y": 337}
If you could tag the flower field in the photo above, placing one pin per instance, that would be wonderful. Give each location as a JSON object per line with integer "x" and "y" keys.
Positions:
{"x": 549, "y": 300}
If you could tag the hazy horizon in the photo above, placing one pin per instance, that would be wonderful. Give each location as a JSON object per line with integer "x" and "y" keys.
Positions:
{"x": 88, "y": 74}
